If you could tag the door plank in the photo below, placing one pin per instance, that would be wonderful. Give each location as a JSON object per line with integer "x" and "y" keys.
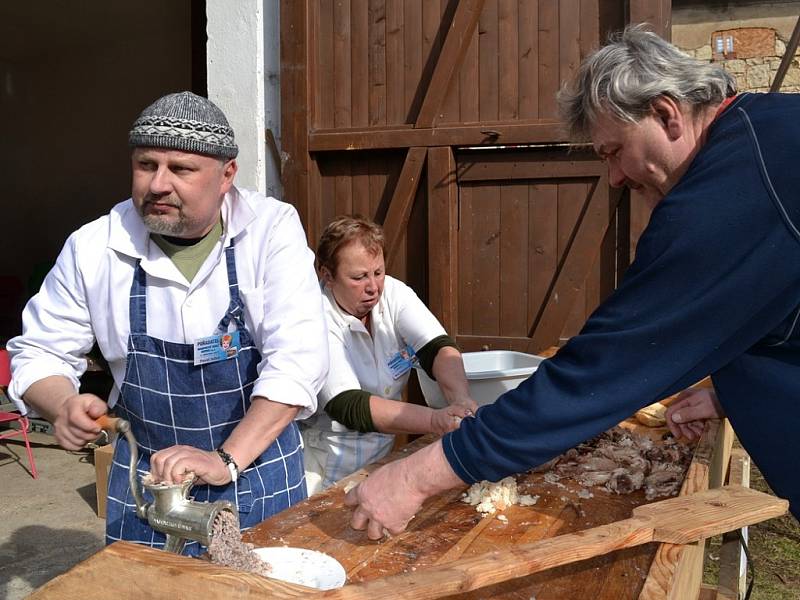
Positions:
{"x": 488, "y": 64}
{"x": 486, "y": 260}
{"x": 508, "y": 59}
{"x": 377, "y": 62}
{"x": 548, "y": 59}
{"x": 360, "y": 174}
{"x": 342, "y": 64}
{"x": 326, "y": 65}
{"x": 573, "y": 268}
{"x": 543, "y": 248}
{"x": 465, "y": 268}
{"x": 359, "y": 63}
{"x": 528, "y": 26}
{"x": 455, "y": 45}
{"x": 441, "y": 13}
{"x": 513, "y": 265}
{"x": 569, "y": 39}
{"x": 443, "y": 237}
{"x": 572, "y": 199}
{"x": 395, "y": 59}
{"x": 412, "y": 66}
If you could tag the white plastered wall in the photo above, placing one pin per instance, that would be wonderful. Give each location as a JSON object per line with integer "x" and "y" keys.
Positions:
{"x": 243, "y": 65}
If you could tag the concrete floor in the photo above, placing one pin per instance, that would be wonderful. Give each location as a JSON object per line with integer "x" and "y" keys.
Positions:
{"x": 49, "y": 524}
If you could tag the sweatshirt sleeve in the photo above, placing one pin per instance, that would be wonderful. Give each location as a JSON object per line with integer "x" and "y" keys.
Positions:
{"x": 717, "y": 269}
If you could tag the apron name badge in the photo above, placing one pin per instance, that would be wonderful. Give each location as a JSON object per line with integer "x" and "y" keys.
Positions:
{"x": 402, "y": 361}
{"x": 215, "y": 348}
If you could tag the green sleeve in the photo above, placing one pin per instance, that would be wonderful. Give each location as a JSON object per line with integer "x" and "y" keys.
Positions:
{"x": 427, "y": 354}
{"x": 351, "y": 409}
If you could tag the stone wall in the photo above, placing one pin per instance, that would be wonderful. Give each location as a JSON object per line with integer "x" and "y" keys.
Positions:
{"x": 755, "y": 74}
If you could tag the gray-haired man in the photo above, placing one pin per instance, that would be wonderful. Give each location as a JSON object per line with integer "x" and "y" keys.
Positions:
{"x": 204, "y": 301}
{"x": 714, "y": 289}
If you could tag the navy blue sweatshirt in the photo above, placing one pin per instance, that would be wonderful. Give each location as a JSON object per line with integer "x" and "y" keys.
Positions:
{"x": 714, "y": 289}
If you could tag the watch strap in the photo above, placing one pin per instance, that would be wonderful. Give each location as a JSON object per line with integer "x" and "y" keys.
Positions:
{"x": 233, "y": 468}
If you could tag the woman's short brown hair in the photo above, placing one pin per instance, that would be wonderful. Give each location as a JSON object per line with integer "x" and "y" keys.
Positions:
{"x": 343, "y": 230}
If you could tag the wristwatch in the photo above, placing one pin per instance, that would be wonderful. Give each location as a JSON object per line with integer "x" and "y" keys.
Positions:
{"x": 230, "y": 463}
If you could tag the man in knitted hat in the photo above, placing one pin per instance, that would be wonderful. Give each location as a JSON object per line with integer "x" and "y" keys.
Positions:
{"x": 187, "y": 262}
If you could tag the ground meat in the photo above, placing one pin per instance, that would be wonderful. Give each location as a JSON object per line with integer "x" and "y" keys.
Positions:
{"x": 228, "y": 549}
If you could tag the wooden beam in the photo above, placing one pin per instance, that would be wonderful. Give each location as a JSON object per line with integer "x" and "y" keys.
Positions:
{"x": 455, "y": 46}
{"x": 575, "y": 263}
{"x": 443, "y": 237}
{"x": 406, "y": 136}
{"x": 505, "y": 170}
{"x": 394, "y": 226}
{"x": 732, "y": 560}
{"x": 787, "y": 59}
{"x": 295, "y": 103}
{"x": 142, "y": 572}
{"x": 477, "y": 343}
{"x": 677, "y": 569}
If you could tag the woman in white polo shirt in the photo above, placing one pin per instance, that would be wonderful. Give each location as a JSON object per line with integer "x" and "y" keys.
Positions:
{"x": 377, "y": 330}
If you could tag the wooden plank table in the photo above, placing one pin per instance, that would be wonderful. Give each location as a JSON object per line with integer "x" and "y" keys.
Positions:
{"x": 445, "y": 529}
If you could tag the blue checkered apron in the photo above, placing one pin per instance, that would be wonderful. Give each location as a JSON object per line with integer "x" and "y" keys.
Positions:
{"x": 169, "y": 401}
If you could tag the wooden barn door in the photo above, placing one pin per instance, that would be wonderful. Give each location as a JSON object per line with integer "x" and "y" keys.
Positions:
{"x": 532, "y": 251}
{"x": 438, "y": 119}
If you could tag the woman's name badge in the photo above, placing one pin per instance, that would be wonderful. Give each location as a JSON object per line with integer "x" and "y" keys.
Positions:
{"x": 216, "y": 347}
{"x": 401, "y": 363}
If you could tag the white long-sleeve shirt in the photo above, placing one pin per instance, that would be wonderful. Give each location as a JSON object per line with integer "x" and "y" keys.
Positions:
{"x": 85, "y": 298}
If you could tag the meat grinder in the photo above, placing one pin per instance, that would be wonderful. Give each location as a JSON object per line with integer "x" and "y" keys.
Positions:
{"x": 172, "y": 512}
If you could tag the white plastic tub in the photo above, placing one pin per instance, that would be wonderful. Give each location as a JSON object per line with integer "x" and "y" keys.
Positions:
{"x": 489, "y": 374}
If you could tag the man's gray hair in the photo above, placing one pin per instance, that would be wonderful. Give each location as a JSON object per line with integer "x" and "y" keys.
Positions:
{"x": 622, "y": 78}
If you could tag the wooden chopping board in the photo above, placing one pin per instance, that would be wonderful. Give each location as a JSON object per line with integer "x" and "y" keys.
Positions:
{"x": 446, "y": 529}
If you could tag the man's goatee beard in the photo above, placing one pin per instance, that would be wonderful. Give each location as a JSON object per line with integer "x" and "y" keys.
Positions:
{"x": 160, "y": 226}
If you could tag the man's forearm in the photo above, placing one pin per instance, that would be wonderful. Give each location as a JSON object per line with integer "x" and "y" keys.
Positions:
{"x": 263, "y": 423}
{"x": 48, "y": 395}
{"x": 429, "y": 472}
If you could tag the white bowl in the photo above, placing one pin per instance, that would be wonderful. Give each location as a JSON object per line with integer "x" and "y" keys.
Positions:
{"x": 305, "y": 567}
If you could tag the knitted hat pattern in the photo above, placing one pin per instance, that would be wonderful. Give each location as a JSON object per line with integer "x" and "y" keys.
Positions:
{"x": 184, "y": 121}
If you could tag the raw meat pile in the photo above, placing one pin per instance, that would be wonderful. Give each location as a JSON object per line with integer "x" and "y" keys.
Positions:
{"x": 228, "y": 549}
{"x": 624, "y": 462}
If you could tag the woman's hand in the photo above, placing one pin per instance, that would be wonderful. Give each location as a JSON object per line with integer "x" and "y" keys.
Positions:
{"x": 686, "y": 416}
{"x": 171, "y": 465}
{"x": 448, "y": 418}
{"x": 467, "y": 402}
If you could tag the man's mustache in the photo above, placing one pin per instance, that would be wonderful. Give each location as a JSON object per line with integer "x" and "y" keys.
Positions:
{"x": 151, "y": 199}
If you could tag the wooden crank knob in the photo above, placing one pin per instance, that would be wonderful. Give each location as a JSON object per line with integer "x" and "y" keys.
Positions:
{"x": 112, "y": 424}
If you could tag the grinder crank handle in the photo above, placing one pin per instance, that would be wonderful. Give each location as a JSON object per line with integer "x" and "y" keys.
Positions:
{"x": 112, "y": 424}
{"x": 116, "y": 424}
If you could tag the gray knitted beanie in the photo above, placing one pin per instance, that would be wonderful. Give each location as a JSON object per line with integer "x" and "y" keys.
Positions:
{"x": 184, "y": 121}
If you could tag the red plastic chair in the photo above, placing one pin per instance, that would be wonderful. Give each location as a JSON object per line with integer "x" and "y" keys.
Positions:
{"x": 8, "y": 417}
